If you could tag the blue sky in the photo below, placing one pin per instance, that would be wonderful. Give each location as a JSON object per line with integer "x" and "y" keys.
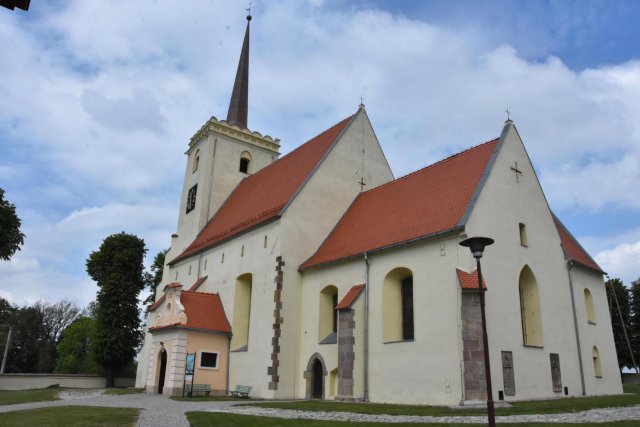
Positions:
{"x": 98, "y": 103}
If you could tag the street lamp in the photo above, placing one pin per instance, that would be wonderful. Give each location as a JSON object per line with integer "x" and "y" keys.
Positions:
{"x": 477, "y": 245}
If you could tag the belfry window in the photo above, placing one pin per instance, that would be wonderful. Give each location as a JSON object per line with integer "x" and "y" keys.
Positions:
{"x": 196, "y": 161}
{"x": 245, "y": 162}
{"x": 397, "y": 310}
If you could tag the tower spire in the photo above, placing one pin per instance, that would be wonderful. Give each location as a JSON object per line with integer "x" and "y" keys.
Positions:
{"x": 239, "y": 105}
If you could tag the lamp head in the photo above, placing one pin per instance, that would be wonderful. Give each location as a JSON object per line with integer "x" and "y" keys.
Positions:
{"x": 477, "y": 245}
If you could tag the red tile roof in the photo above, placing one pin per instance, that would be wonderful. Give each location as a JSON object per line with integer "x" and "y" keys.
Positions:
{"x": 573, "y": 250}
{"x": 204, "y": 311}
{"x": 350, "y": 297}
{"x": 469, "y": 280}
{"x": 261, "y": 197}
{"x": 429, "y": 201}
{"x": 193, "y": 287}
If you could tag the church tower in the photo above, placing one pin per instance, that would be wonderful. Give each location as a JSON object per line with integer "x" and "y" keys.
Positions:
{"x": 220, "y": 155}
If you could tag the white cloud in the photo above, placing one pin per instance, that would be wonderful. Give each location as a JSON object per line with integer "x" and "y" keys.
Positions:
{"x": 99, "y": 103}
{"x": 623, "y": 259}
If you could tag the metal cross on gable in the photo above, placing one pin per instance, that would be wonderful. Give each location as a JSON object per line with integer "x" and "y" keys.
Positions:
{"x": 516, "y": 171}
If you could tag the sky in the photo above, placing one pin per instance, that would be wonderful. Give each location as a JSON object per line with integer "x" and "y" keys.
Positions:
{"x": 98, "y": 101}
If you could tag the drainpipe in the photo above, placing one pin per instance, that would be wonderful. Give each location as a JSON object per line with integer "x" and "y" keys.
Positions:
{"x": 366, "y": 327}
{"x": 228, "y": 361}
{"x": 575, "y": 325}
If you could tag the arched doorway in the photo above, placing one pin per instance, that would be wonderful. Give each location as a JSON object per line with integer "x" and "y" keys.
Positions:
{"x": 163, "y": 370}
{"x": 317, "y": 388}
{"x": 315, "y": 373}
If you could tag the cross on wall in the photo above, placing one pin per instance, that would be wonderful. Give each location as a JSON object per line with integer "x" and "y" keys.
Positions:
{"x": 516, "y": 171}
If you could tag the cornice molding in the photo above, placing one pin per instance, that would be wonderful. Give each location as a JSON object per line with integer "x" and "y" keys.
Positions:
{"x": 233, "y": 131}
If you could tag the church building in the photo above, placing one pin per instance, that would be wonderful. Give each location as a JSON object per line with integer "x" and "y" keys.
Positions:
{"x": 318, "y": 275}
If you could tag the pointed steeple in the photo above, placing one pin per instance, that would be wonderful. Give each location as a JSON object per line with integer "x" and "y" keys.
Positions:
{"x": 239, "y": 105}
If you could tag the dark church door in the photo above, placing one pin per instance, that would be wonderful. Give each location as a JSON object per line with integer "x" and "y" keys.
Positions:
{"x": 317, "y": 380}
{"x": 163, "y": 370}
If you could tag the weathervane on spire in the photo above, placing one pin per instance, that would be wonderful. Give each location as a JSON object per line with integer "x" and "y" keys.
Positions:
{"x": 249, "y": 12}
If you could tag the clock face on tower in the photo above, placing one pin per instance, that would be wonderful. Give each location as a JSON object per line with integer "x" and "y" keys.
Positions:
{"x": 191, "y": 198}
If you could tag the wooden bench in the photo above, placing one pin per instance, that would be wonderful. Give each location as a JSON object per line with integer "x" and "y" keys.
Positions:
{"x": 241, "y": 391}
{"x": 191, "y": 389}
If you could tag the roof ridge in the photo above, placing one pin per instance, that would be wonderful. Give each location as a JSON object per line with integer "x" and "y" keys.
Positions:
{"x": 296, "y": 149}
{"x": 475, "y": 147}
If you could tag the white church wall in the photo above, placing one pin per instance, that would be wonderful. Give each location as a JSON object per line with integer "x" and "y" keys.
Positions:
{"x": 310, "y": 217}
{"x": 343, "y": 276}
{"x": 598, "y": 334}
{"x": 426, "y": 370}
{"x": 503, "y": 204}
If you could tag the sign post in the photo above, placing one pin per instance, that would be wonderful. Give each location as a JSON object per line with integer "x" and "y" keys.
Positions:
{"x": 188, "y": 372}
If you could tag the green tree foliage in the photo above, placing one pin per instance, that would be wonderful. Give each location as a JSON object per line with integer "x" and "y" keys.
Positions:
{"x": 75, "y": 349}
{"x": 10, "y": 236}
{"x": 153, "y": 278}
{"x": 118, "y": 270}
{"x": 30, "y": 350}
{"x": 615, "y": 288}
{"x": 635, "y": 319}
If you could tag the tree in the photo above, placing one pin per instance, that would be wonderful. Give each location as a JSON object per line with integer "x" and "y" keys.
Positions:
{"x": 75, "y": 349}
{"x": 10, "y": 236}
{"x": 57, "y": 317}
{"x": 154, "y": 278}
{"x": 616, "y": 289}
{"x": 635, "y": 320}
{"x": 30, "y": 350}
{"x": 118, "y": 270}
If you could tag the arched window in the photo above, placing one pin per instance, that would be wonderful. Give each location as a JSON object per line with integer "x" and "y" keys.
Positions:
{"x": 597, "y": 366}
{"x": 397, "y": 306}
{"x": 241, "y": 313}
{"x": 328, "y": 315}
{"x": 588, "y": 302}
{"x": 530, "y": 308}
{"x": 196, "y": 161}
{"x": 245, "y": 162}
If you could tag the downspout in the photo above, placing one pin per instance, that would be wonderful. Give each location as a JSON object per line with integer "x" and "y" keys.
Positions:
{"x": 228, "y": 361}
{"x": 575, "y": 324}
{"x": 366, "y": 327}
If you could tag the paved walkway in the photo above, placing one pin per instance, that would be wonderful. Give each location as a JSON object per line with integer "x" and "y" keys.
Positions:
{"x": 160, "y": 411}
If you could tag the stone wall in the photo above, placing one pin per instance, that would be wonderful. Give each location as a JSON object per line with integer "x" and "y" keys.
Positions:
{"x": 473, "y": 353}
{"x": 346, "y": 355}
{"x": 35, "y": 381}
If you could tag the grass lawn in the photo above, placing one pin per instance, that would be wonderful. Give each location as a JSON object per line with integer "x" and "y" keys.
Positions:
{"x": 206, "y": 399}
{"x": 531, "y": 407}
{"x": 203, "y": 419}
{"x": 71, "y": 416}
{"x": 631, "y": 388}
{"x": 128, "y": 390}
{"x": 11, "y": 397}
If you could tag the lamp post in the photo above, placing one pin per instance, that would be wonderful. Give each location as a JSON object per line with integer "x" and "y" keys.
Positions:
{"x": 477, "y": 245}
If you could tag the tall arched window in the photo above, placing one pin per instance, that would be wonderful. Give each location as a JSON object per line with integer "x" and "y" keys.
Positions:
{"x": 597, "y": 366}
{"x": 196, "y": 161}
{"x": 327, "y": 315}
{"x": 245, "y": 162}
{"x": 530, "y": 308}
{"x": 397, "y": 306}
{"x": 241, "y": 313}
{"x": 588, "y": 302}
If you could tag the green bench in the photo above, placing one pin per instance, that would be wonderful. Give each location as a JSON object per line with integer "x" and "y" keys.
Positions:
{"x": 192, "y": 389}
{"x": 241, "y": 391}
